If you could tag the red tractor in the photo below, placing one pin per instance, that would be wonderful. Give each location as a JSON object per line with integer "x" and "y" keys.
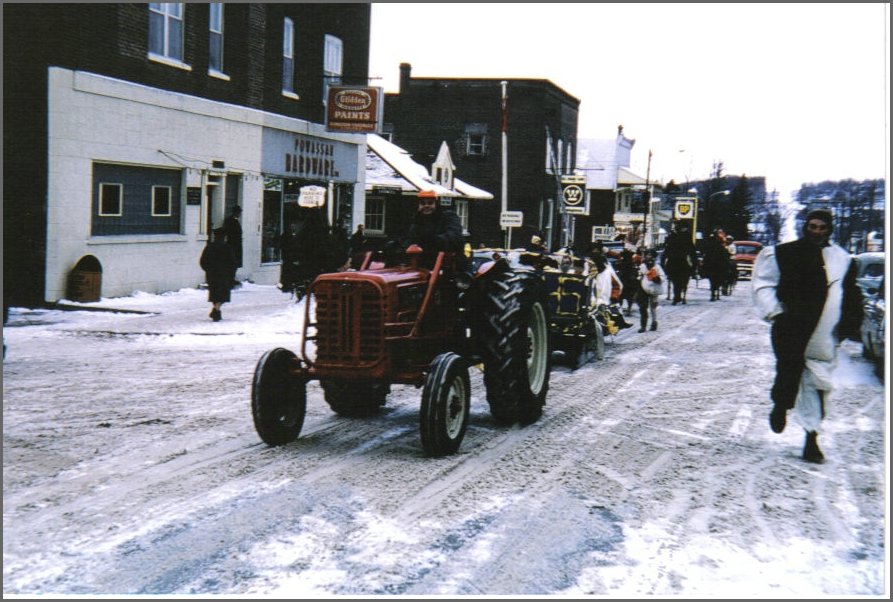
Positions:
{"x": 407, "y": 324}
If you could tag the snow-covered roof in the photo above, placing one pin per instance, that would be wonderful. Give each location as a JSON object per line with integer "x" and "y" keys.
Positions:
{"x": 626, "y": 176}
{"x": 469, "y": 191}
{"x": 388, "y": 165}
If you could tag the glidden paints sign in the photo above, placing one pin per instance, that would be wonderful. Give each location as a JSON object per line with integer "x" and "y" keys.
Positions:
{"x": 354, "y": 109}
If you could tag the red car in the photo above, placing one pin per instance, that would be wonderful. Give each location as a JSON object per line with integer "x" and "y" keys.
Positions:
{"x": 746, "y": 253}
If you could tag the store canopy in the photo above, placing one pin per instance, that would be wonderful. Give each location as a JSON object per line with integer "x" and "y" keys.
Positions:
{"x": 390, "y": 167}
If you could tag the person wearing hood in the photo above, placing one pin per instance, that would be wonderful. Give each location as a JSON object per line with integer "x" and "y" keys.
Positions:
{"x": 806, "y": 289}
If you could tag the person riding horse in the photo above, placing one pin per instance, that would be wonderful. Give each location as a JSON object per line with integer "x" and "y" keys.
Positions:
{"x": 679, "y": 259}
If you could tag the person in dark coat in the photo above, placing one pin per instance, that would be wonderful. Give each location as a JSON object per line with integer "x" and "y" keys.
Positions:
{"x": 435, "y": 228}
{"x": 289, "y": 248}
{"x": 679, "y": 260}
{"x": 628, "y": 270}
{"x": 807, "y": 290}
{"x": 233, "y": 234}
{"x": 219, "y": 264}
{"x": 358, "y": 241}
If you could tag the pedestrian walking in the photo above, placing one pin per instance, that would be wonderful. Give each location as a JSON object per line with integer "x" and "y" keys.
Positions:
{"x": 807, "y": 290}
{"x": 651, "y": 281}
{"x": 219, "y": 264}
{"x": 628, "y": 270}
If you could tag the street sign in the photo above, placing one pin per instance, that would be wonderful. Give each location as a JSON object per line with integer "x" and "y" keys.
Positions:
{"x": 603, "y": 233}
{"x": 573, "y": 191}
{"x": 511, "y": 219}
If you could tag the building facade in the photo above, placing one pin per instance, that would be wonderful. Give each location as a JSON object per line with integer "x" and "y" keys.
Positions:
{"x": 132, "y": 130}
{"x": 540, "y": 122}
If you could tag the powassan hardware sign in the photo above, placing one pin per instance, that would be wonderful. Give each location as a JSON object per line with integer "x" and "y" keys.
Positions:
{"x": 573, "y": 191}
{"x": 354, "y": 109}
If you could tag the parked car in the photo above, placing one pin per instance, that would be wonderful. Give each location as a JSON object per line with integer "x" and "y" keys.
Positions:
{"x": 871, "y": 271}
{"x": 874, "y": 323}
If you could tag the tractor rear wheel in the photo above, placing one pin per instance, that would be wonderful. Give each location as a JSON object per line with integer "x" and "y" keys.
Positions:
{"x": 515, "y": 346}
{"x": 278, "y": 399}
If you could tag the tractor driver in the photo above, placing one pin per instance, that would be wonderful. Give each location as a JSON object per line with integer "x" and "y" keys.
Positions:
{"x": 435, "y": 228}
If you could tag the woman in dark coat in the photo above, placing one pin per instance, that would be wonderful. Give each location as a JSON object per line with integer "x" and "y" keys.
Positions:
{"x": 219, "y": 264}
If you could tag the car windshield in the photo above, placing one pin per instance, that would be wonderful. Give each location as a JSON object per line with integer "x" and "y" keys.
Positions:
{"x": 747, "y": 250}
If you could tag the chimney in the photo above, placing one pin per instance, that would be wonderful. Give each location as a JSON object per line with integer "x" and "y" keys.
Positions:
{"x": 405, "y": 71}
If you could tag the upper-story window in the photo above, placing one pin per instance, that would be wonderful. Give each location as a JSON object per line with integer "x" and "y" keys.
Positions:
{"x": 476, "y": 139}
{"x": 288, "y": 57}
{"x": 215, "y": 38}
{"x": 166, "y": 30}
{"x": 333, "y": 54}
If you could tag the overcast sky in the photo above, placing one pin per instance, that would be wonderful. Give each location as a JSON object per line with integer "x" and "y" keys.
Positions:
{"x": 793, "y": 92}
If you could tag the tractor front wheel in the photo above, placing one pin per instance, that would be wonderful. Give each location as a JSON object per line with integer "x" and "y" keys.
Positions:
{"x": 446, "y": 403}
{"x": 278, "y": 398}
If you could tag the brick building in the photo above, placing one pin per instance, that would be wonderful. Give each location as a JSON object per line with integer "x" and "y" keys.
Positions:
{"x": 541, "y": 121}
{"x": 130, "y": 130}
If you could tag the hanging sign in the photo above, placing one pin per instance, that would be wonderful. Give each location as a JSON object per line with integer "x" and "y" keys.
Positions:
{"x": 312, "y": 196}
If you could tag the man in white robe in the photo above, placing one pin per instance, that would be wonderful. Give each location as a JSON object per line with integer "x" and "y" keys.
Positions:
{"x": 807, "y": 290}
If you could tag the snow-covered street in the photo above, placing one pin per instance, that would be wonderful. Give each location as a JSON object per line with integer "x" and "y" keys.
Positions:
{"x": 131, "y": 466}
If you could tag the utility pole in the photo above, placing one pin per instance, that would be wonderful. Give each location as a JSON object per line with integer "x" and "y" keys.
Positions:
{"x": 505, "y": 151}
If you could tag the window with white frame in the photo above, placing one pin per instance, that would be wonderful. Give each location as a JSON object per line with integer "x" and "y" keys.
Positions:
{"x": 462, "y": 212}
{"x": 476, "y": 139}
{"x": 333, "y": 57}
{"x": 569, "y": 161}
{"x": 166, "y": 30}
{"x": 375, "y": 215}
{"x": 161, "y": 201}
{"x": 111, "y": 199}
{"x": 215, "y": 38}
{"x": 136, "y": 200}
{"x": 288, "y": 57}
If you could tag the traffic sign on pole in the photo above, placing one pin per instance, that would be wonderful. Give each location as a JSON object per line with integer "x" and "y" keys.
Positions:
{"x": 511, "y": 219}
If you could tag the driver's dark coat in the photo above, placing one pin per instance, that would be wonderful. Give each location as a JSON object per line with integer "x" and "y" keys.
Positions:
{"x": 439, "y": 231}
